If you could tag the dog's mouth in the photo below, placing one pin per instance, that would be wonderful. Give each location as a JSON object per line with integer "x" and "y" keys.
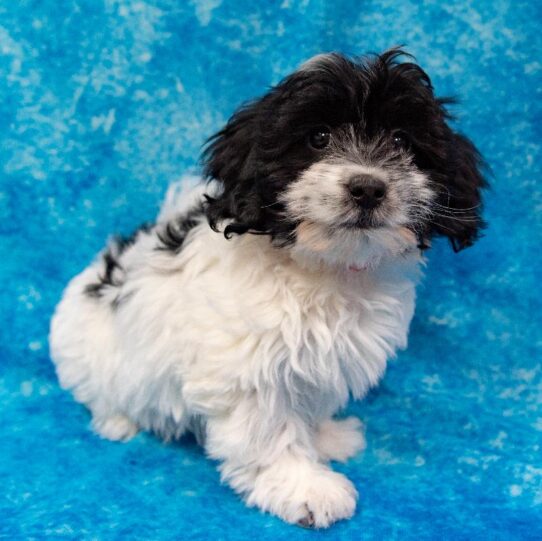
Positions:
{"x": 371, "y": 224}
{"x": 362, "y": 224}
{"x": 366, "y": 221}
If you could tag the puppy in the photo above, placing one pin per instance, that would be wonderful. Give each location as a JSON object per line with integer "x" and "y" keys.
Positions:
{"x": 257, "y": 305}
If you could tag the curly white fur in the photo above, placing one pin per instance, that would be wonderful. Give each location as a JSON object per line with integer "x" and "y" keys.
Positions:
{"x": 253, "y": 347}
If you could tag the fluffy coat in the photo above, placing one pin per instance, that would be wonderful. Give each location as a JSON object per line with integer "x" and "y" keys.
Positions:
{"x": 255, "y": 341}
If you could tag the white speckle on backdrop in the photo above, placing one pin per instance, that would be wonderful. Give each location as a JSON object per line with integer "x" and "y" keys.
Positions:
{"x": 104, "y": 104}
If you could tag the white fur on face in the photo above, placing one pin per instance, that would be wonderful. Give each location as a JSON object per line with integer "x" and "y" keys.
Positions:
{"x": 319, "y": 200}
{"x": 320, "y": 195}
{"x": 254, "y": 347}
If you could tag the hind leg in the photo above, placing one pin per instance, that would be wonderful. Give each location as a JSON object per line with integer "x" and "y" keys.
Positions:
{"x": 115, "y": 427}
{"x": 83, "y": 345}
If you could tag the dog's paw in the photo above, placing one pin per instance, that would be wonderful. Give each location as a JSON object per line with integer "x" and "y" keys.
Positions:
{"x": 327, "y": 502}
{"x": 115, "y": 428}
{"x": 340, "y": 440}
{"x": 311, "y": 497}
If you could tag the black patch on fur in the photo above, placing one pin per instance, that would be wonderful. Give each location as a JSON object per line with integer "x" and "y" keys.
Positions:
{"x": 125, "y": 242}
{"x": 110, "y": 263}
{"x": 263, "y": 147}
{"x": 110, "y": 259}
{"x": 173, "y": 234}
{"x": 120, "y": 299}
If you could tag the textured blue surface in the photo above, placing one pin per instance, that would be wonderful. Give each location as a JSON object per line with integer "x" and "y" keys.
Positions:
{"x": 103, "y": 103}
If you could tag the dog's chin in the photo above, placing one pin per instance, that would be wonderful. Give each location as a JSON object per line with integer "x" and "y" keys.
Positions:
{"x": 352, "y": 245}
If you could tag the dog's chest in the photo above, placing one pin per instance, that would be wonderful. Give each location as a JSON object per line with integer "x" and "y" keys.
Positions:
{"x": 297, "y": 335}
{"x": 337, "y": 333}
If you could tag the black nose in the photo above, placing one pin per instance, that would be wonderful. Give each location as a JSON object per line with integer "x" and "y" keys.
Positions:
{"x": 368, "y": 191}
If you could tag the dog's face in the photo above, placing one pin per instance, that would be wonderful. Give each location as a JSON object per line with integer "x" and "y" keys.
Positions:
{"x": 343, "y": 150}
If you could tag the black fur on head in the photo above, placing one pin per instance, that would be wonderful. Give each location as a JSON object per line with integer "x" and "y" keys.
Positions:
{"x": 365, "y": 106}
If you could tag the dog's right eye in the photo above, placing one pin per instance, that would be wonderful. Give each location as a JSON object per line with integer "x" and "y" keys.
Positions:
{"x": 319, "y": 138}
{"x": 400, "y": 140}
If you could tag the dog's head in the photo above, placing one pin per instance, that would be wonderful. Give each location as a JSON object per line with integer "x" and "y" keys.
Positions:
{"x": 347, "y": 155}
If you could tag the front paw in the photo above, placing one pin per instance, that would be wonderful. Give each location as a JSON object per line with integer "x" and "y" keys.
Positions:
{"x": 327, "y": 501}
{"x": 309, "y": 495}
{"x": 339, "y": 439}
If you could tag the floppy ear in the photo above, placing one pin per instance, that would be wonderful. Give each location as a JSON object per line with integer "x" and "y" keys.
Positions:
{"x": 459, "y": 204}
{"x": 230, "y": 159}
{"x": 227, "y": 152}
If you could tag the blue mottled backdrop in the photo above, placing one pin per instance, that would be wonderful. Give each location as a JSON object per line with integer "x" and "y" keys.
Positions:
{"x": 104, "y": 102}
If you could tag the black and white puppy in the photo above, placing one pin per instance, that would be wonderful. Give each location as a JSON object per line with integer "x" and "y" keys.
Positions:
{"x": 255, "y": 306}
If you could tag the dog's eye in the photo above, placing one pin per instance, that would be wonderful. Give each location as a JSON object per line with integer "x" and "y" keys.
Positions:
{"x": 400, "y": 140}
{"x": 319, "y": 138}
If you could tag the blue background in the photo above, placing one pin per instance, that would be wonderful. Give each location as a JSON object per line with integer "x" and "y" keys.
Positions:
{"x": 103, "y": 103}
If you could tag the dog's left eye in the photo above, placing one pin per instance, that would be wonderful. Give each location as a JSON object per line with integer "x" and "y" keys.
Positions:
{"x": 319, "y": 138}
{"x": 400, "y": 140}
